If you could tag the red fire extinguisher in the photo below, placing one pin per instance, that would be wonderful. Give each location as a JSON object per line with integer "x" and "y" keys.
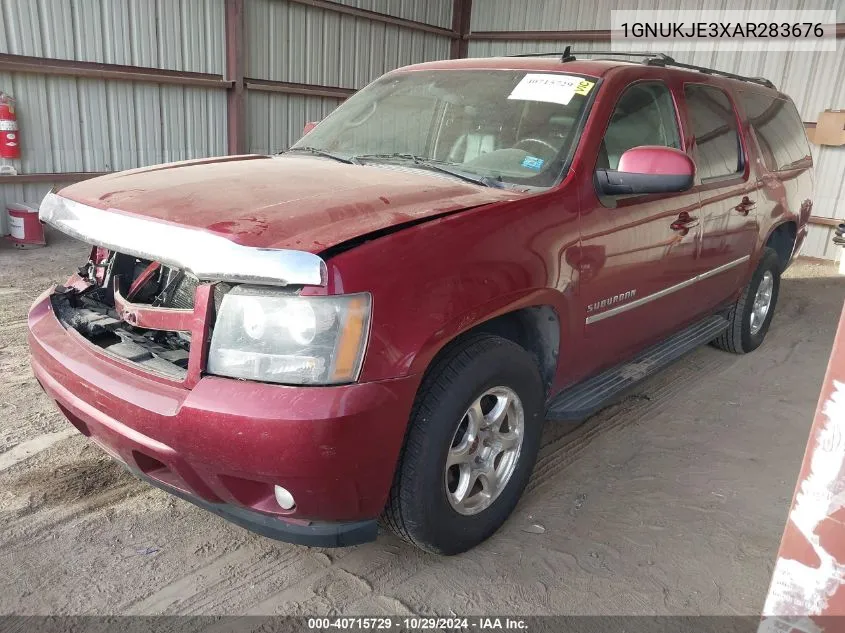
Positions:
{"x": 10, "y": 146}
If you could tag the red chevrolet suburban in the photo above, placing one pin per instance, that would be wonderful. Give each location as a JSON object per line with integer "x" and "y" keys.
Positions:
{"x": 375, "y": 324}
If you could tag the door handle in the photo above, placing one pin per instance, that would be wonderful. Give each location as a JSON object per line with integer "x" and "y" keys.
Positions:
{"x": 746, "y": 206}
{"x": 684, "y": 223}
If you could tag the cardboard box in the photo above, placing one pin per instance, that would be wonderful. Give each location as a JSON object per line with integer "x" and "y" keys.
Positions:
{"x": 830, "y": 128}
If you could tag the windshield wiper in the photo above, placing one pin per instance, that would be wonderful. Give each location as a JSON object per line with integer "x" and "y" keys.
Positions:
{"x": 434, "y": 165}
{"x": 321, "y": 152}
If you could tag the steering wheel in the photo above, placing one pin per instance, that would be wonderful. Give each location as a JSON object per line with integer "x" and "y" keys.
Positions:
{"x": 546, "y": 146}
{"x": 364, "y": 117}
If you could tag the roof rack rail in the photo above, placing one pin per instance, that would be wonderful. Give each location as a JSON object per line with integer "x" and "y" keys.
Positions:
{"x": 651, "y": 59}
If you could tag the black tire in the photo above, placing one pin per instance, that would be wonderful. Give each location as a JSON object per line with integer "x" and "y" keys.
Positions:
{"x": 418, "y": 509}
{"x": 738, "y": 338}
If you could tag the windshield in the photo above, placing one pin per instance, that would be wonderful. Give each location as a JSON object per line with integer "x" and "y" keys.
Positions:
{"x": 493, "y": 127}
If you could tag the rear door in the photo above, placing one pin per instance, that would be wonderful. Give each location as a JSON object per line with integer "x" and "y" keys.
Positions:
{"x": 728, "y": 194}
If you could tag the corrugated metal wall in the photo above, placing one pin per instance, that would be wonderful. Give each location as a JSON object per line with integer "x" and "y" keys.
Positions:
{"x": 71, "y": 124}
{"x": 74, "y": 124}
{"x": 171, "y": 34}
{"x": 814, "y": 80}
{"x": 302, "y": 44}
{"x": 291, "y": 42}
{"x": 275, "y": 120}
{"x": 434, "y": 12}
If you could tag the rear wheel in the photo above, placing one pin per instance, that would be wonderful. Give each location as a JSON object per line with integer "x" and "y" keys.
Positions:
{"x": 471, "y": 444}
{"x": 750, "y": 317}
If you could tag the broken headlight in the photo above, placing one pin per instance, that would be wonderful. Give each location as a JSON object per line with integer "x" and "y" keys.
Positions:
{"x": 273, "y": 336}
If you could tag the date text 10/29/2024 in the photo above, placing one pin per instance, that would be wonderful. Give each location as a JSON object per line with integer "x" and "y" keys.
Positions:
{"x": 418, "y": 623}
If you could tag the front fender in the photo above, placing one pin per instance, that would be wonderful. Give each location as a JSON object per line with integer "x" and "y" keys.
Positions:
{"x": 435, "y": 280}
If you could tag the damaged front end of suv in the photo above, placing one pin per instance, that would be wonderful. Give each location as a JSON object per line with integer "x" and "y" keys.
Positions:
{"x": 138, "y": 310}
{"x": 150, "y": 294}
{"x": 192, "y": 359}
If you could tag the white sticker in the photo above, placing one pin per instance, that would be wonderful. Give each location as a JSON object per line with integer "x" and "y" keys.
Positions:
{"x": 549, "y": 88}
{"x": 16, "y": 227}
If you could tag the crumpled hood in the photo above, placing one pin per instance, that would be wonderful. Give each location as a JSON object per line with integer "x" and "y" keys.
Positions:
{"x": 291, "y": 201}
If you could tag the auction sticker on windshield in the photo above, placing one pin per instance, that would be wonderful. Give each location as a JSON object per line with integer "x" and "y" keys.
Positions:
{"x": 550, "y": 88}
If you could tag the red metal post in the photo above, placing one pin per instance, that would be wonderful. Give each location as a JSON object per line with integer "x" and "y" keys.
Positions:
{"x": 461, "y": 12}
{"x": 235, "y": 67}
{"x": 808, "y": 582}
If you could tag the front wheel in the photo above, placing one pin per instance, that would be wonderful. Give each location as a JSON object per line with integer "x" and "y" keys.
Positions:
{"x": 749, "y": 318}
{"x": 471, "y": 444}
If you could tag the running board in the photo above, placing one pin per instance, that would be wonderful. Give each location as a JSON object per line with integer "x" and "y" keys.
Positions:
{"x": 584, "y": 399}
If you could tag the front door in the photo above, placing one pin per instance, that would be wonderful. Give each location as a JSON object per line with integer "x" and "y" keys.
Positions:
{"x": 634, "y": 250}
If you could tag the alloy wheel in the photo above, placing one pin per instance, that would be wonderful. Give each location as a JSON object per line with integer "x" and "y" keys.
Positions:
{"x": 484, "y": 451}
{"x": 762, "y": 301}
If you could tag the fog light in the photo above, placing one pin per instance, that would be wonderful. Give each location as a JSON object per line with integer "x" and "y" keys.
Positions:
{"x": 284, "y": 498}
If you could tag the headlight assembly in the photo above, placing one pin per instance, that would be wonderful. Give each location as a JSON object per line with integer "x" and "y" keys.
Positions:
{"x": 274, "y": 336}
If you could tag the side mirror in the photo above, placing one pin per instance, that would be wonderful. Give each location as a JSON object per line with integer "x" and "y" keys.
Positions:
{"x": 309, "y": 125}
{"x": 648, "y": 169}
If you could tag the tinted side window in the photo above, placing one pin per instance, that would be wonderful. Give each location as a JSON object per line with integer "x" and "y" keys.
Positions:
{"x": 778, "y": 128}
{"x": 644, "y": 115}
{"x": 714, "y": 127}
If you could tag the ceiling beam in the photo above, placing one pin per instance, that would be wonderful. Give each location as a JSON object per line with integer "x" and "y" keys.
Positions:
{"x": 375, "y": 16}
{"x": 288, "y": 87}
{"x": 95, "y": 70}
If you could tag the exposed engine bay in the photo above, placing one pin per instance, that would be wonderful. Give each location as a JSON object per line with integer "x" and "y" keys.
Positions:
{"x": 89, "y": 308}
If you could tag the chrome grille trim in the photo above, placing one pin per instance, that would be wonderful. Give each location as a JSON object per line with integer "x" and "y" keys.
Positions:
{"x": 208, "y": 256}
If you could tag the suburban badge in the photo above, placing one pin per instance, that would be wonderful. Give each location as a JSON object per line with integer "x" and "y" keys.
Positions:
{"x": 610, "y": 301}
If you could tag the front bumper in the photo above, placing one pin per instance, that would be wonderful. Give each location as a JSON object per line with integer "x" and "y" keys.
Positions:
{"x": 224, "y": 443}
{"x": 311, "y": 533}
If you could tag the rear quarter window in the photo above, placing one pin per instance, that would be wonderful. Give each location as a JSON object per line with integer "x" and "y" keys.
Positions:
{"x": 778, "y": 129}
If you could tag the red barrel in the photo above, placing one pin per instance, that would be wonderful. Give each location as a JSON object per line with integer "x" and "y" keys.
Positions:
{"x": 25, "y": 229}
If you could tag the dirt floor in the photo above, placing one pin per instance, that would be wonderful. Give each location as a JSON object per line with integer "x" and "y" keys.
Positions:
{"x": 672, "y": 502}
